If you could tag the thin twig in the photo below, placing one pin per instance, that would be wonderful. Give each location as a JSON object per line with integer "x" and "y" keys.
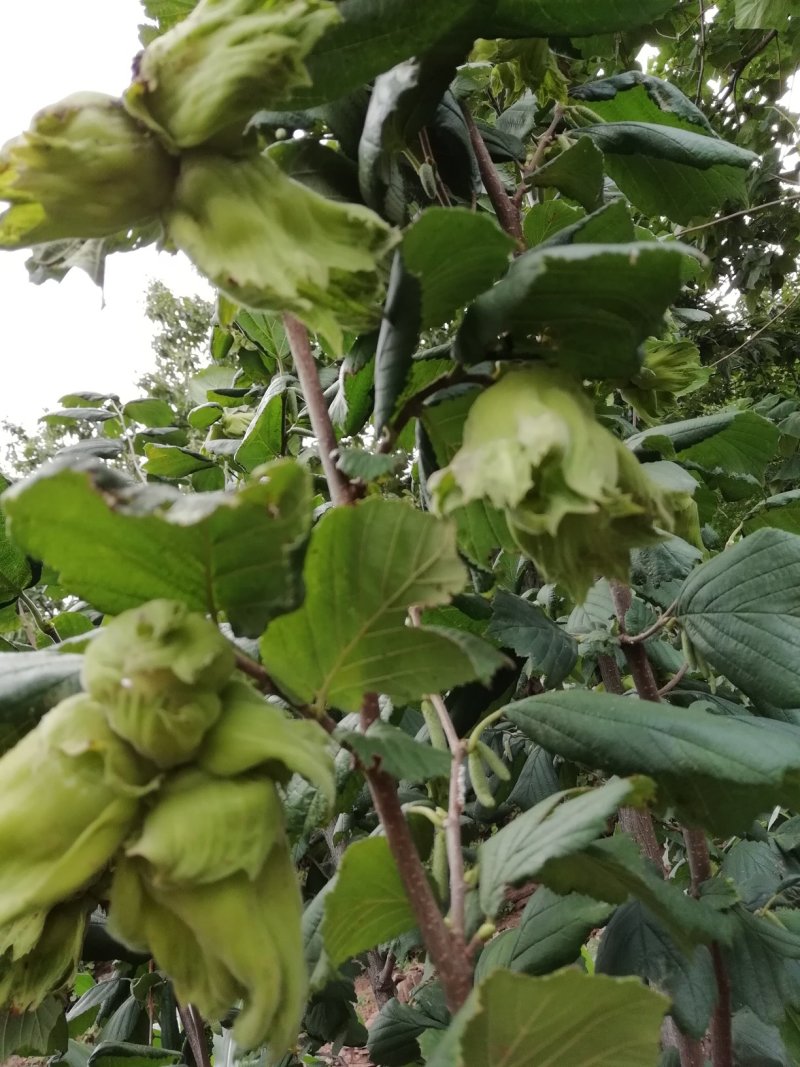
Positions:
{"x": 341, "y": 489}
{"x": 745, "y": 61}
{"x": 738, "y": 214}
{"x": 759, "y": 331}
{"x": 447, "y": 952}
{"x": 455, "y": 806}
{"x": 413, "y": 406}
{"x": 44, "y": 626}
{"x": 536, "y": 160}
{"x": 508, "y": 214}
{"x": 701, "y": 45}
{"x": 676, "y": 679}
{"x": 427, "y": 151}
{"x": 645, "y": 635}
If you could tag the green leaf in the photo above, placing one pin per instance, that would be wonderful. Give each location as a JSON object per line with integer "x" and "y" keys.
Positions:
{"x": 15, "y": 570}
{"x": 33, "y": 1033}
{"x": 71, "y": 624}
{"x": 403, "y": 100}
{"x": 780, "y": 512}
{"x": 513, "y": 1020}
{"x": 368, "y": 905}
{"x": 550, "y": 934}
{"x": 172, "y": 462}
{"x": 664, "y": 170}
{"x": 614, "y": 869}
{"x": 634, "y": 942}
{"x": 204, "y": 415}
{"x": 373, "y": 36}
{"x": 319, "y": 167}
{"x": 715, "y": 772}
{"x": 159, "y": 435}
{"x": 368, "y": 466}
{"x": 637, "y": 97}
{"x": 731, "y": 449}
{"x": 544, "y": 220}
{"x": 396, "y": 752}
{"x": 264, "y": 439}
{"x": 577, "y": 173}
{"x": 590, "y": 306}
{"x": 394, "y": 1031}
{"x": 365, "y": 567}
{"x": 352, "y": 406}
{"x": 763, "y": 14}
{"x": 551, "y": 829}
{"x": 122, "y": 1054}
{"x": 742, "y": 611}
{"x": 397, "y": 339}
{"x": 30, "y": 684}
{"x": 167, "y": 13}
{"x": 734, "y": 460}
{"x": 456, "y": 255}
{"x": 149, "y": 412}
{"x": 118, "y": 545}
{"x": 482, "y": 528}
{"x": 571, "y": 18}
{"x": 518, "y": 624}
{"x": 762, "y": 963}
{"x": 71, "y": 416}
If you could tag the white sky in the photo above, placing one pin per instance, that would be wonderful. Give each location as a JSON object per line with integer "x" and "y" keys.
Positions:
{"x": 55, "y": 338}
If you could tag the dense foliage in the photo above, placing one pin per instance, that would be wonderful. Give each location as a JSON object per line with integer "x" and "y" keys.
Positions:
{"x": 449, "y": 615}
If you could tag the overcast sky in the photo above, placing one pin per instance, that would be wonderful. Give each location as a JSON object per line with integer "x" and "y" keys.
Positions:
{"x": 55, "y": 338}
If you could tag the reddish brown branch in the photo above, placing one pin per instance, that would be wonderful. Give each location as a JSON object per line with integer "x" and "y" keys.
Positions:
{"x": 447, "y": 951}
{"x": 697, "y": 854}
{"x": 538, "y": 155}
{"x": 508, "y": 213}
{"x": 341, "y": 489}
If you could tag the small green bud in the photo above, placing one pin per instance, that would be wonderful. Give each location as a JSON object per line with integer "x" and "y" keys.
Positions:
{"x": 71, "y": 791}
{"x": 226, "y": 60}
{"x": 84, "y": 169}
{"x": 158, "y": 670}
{"x": 203, "y": 828}
{"x": 272, "y": 244}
